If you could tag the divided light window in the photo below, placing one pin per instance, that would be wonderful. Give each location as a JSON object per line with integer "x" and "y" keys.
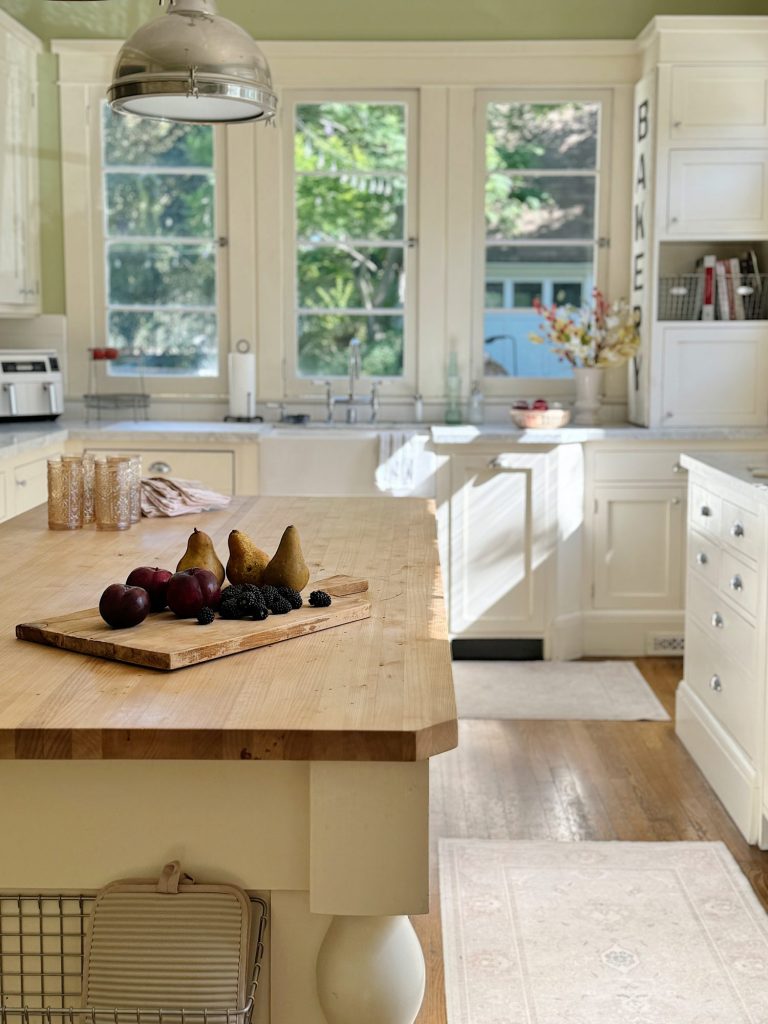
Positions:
{"x": 541, "y": 203}
{"x": 351, "y": 203}
{"x": 160, "y": 246}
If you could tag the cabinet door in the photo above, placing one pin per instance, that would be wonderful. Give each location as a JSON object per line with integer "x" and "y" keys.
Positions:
{"x": 215, "y": 469}
{"x": 30, "y": 485}
{"x": 638, "y": 547}
{"x": 713, "y": 103}
{"x": 10, "y": 184}
{"x": 718, "y": 193}
{"x": 498, "y": 545}
{"x": 715, "y": 376}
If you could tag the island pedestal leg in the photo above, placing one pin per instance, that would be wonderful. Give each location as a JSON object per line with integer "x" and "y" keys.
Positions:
{"x": 369, "y": 868}
{"x": 370, "y": 969}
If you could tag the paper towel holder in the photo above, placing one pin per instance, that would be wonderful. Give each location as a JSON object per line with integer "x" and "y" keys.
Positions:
{"x": 242, "y": 346}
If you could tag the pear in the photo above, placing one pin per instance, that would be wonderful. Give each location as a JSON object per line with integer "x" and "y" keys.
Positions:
{"x": 201, "y": 554}
{"x": 246, "y": 561}
{"x": 287, "y": 568}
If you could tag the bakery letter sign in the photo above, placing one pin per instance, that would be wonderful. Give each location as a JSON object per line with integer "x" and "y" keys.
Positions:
{"x": 641, "y": 206}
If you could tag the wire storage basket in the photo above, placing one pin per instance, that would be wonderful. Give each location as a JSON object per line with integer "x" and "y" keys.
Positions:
{"x": 42, "y": 951}
{"x": 743, "y": 296}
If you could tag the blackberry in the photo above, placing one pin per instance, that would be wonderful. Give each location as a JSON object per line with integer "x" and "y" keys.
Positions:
{"x": 260, "y": 612}
{"x": 229, "y": 610}
{"x": 319, "y": 599}
{"x": 206, "y": 616}
{"x": 280, "y": 606}
{"x": 293, "y": 597}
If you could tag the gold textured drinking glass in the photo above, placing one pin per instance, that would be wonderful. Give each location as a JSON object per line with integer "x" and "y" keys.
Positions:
{"x": 89, "y": 473}
{"x": 65, "y": 493}
{"x": 112, "y": 494}
{"x": 135, "y": 488}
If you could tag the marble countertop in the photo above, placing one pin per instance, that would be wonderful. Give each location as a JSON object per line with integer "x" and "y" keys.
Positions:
{"x": 740, "y": 473}
{"x": 19, "y": 437}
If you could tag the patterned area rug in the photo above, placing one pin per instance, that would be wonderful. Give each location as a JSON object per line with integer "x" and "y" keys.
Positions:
{"x": 600, "y": 933}
{"x": 556, "y": 690}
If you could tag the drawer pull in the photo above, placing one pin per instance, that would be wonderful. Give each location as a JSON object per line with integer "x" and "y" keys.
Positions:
{"x": 737, "y": 530}
{"x": 715, "y": 683}
{"x": 705, "y": 511}
{"x": 736, "y": 582}
{"x": 159, "y": 467}
{"x": 674, "y": 501}
{"x": 702, "y": 558}
{"x": 718, "y": 621}
{"x": 677, "y": 468}
{"x": 21, "y": 483}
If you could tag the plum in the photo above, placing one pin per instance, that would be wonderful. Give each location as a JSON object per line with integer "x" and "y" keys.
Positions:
{"x": 122, "y": 606}
{"x": 155, "y": 581}
{"x": 192, "y": 590}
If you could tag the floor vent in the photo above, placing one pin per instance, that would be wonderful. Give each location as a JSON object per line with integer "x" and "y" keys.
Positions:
{"x": 665, "y": 643}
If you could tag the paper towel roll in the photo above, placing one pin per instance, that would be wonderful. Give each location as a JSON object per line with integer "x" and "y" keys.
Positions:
{"x": 242, "y": 385}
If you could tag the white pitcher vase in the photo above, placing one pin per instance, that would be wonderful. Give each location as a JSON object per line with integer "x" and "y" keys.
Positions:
{"x": 589, "y": 389}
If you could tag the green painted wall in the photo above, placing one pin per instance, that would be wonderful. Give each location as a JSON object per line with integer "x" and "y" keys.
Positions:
{"x": 395, "y": 19}
{"x": 323, "y": 19}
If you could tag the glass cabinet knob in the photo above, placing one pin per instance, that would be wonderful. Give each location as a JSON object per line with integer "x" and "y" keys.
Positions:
{"x": 702, "y": 558}
{"x": 718, "y": 621}
{"x": 715, "y": 683}
{"x": 737, "y": 530}
{"x": 706, "y": 511}
{"x": 736, "y": 582}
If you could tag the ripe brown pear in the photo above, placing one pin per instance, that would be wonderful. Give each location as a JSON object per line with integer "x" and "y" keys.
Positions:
{"x": 287, "y": 567}
{"x": 201, "y": 554}
{"x": 246, "y": 561}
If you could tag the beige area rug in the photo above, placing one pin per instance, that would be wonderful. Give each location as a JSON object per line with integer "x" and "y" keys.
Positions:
{"x": 600, "y": 933}
{"x": 555, "y": 690}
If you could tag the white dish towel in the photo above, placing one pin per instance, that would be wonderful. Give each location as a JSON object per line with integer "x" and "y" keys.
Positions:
{"x": 398, "y": 453}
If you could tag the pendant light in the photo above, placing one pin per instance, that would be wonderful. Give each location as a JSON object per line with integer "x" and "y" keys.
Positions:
{"x": 194, "y": 66}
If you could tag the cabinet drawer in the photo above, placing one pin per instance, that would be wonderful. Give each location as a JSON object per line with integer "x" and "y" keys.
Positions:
{"x": 704, "y": 557}
{"x": 30, "y": 485}
{"x": 730, "y": 693}
{"x": 704, "y": 510}
{"x": 739, "y": 581}
{"x": 740, "y": 529}
{"x": 214, "y": 469}
{"x": 720, "y": 621}
{"x": 658, "y": 465}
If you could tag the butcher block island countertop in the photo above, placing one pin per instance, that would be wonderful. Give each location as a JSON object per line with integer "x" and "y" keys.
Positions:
{"x": 376, "y": 690}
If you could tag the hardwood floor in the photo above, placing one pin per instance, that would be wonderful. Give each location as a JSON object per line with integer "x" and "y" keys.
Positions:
{"x": 573, "y": 781}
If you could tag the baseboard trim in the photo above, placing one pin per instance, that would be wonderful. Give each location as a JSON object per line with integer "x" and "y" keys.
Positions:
{"x": 626, "y": 633}
{"x": 725, "y": 766}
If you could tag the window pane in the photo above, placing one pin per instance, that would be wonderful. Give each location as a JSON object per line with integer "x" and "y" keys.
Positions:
{"x": 164, "y": 343}
{"x": 507, "y": 351}
{"x": 146, "y": 274}
{"x": 137, "y": 141}
{"x": 526, "y": 292}
{"x": 324, "y": 344}
{"x": 351, "y": 278}
{"x": 553, "y": 273}
{"x": 532, "y": 206}
{"x": 494, "y": 294}
{"x": 566, "y": 293}
{"x": 350, "y": 188}
{"x": 552, "y": 136}
{"x": 160, "y": 204}
{"x": 369, "y": 207}
{"x": 344, "y": 136}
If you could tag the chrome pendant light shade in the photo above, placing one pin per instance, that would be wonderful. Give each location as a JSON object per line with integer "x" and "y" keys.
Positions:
{"x": 194, "y": 66}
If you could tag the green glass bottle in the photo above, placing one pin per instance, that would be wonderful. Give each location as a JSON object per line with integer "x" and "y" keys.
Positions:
{"x": 453, "y": 391}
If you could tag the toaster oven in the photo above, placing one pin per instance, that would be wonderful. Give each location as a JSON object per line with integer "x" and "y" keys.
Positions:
{"x": 30, "y": 385}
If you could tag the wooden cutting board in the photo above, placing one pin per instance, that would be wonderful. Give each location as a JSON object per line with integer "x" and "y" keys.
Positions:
{"x": 165, "y": 642}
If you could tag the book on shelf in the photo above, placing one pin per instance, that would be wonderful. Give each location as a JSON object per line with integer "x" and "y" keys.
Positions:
{"x": 723, "y": 274}
{"x": 735, "y": 296}
{"x": 706, "y": 266}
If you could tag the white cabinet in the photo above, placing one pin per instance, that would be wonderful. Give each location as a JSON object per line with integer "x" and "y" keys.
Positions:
{"x": 711, "y": 103}
{"x": 718, "y": 193}
{"x": 638, "y": 546}
{"x": 215, "y": 469}
{"x": 499, "y": 542}
{"x": 19, "y": 202}
{"x": 715, "y": 375}
{"x": 720, "y": 702}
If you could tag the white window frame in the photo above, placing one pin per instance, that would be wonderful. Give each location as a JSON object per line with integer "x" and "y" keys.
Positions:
{"x": 534, "y": 387}
{"x": 296, "y": 384}
{"x": 155, "y": 382}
